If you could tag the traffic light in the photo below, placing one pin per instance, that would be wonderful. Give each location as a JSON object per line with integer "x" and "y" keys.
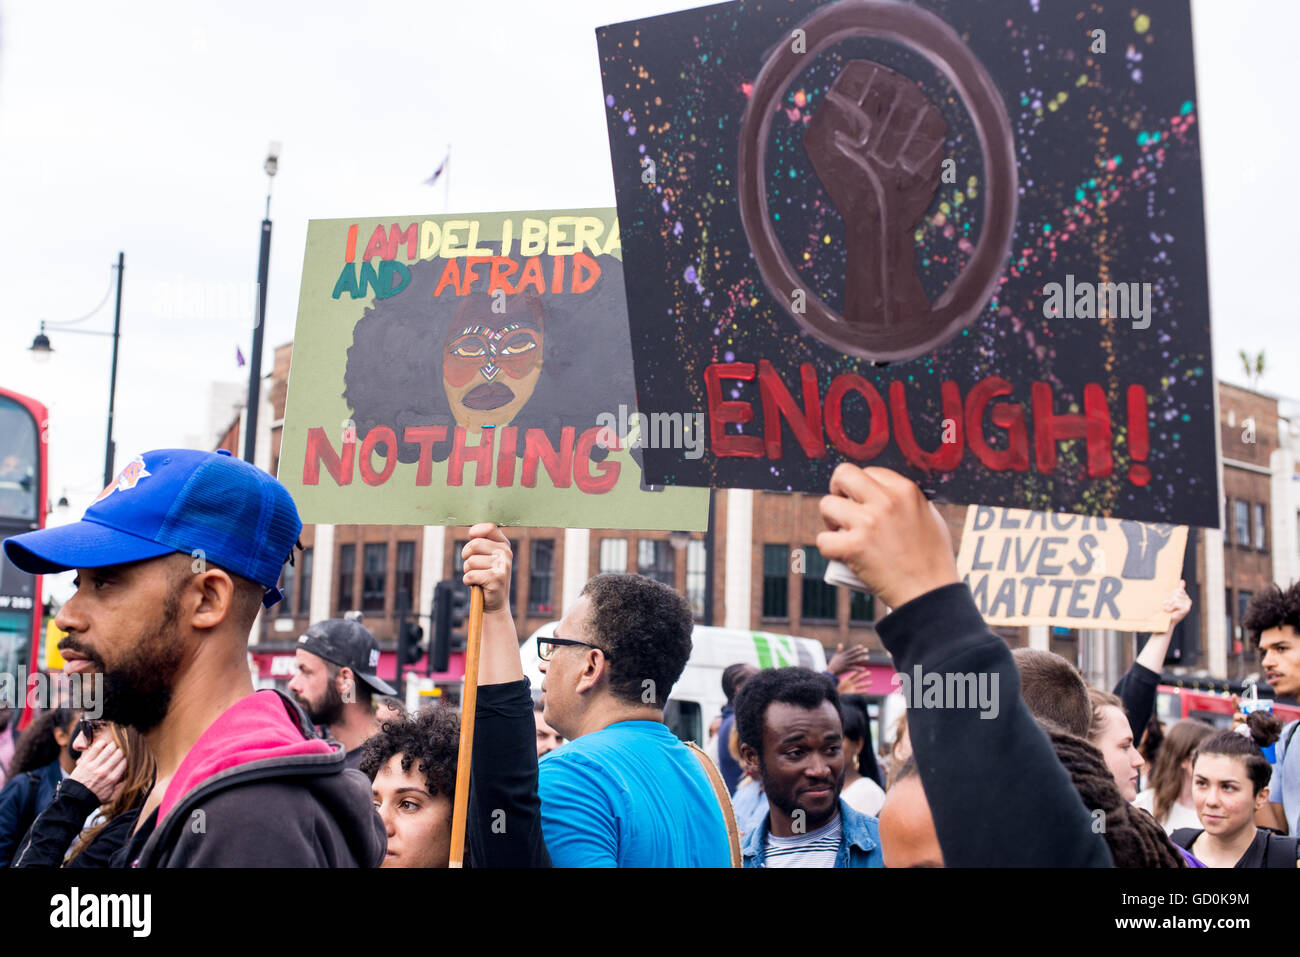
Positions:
{"x": 450, "y": 609}
{"x": 409, "y": 646}
{"x": 459, "y": 614}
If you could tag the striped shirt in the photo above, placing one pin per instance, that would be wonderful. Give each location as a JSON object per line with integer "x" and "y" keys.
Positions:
{"x": 817, "y": 848}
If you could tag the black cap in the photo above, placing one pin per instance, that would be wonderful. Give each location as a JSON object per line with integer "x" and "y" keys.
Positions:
{"x": 348, "y": 644}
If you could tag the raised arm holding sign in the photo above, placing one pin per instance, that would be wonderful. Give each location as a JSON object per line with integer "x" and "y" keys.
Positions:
{"x": 983, "y": 764}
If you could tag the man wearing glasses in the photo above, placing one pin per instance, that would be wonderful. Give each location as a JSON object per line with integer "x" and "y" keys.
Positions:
{"x": 624, "y": 792}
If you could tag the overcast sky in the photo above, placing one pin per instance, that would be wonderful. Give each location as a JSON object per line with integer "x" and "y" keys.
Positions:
{"x": 143, "y": 126}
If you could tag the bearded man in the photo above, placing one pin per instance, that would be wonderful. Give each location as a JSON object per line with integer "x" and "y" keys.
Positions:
{"x": 335, "y": 681}
{"x": 173, "y": 560}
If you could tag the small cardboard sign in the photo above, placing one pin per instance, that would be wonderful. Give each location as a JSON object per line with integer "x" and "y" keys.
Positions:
{"x": 1041, "y": 568}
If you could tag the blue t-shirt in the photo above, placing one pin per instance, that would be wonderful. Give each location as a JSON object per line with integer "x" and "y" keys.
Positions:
{"x": 1284, "y": 786}
{"x": 630, "y": 795}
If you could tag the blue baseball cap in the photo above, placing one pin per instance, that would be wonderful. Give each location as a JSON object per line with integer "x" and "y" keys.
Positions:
{"x": 206, "y": 504}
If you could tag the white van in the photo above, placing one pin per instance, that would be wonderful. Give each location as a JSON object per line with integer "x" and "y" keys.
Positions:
{"x": 697, "y": 697}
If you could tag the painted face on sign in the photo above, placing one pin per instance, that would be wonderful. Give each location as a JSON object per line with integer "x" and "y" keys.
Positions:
{"x": 491, "y": 361}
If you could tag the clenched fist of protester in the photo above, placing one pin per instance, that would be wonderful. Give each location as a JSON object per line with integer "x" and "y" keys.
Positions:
{"x": 883, "y": 528}
{"x": 488, "y": 558}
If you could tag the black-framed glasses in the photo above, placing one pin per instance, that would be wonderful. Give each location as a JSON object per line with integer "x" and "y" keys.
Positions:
{"x": 89, "y": 727}
{"x": 546, "y": 646}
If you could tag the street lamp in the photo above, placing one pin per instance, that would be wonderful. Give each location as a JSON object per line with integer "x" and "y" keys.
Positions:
{"x": 271, "y": 166}
{"x": 41, "y": 351}
{"x": 679, "y": 540}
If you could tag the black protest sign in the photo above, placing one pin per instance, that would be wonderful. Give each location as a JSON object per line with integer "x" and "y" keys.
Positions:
{"x": 961, "y": 240}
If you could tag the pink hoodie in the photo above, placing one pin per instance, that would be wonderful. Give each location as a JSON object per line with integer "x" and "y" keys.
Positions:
{"x": 252, "y": 729}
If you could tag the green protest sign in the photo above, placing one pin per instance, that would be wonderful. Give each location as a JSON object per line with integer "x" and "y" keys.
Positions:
{"x": 475, "y": 367}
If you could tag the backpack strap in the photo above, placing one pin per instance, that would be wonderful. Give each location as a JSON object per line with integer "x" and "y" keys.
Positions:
{"x": 724, "y": 801}
{"x": 1281, "y": 851}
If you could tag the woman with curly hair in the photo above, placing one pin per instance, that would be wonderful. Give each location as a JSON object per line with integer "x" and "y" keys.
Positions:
{"x": 411, "y": 764}
{"x": 539, "y": 363}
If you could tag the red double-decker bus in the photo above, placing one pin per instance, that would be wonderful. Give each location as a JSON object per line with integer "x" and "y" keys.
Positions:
{"x": 24, "y": 466}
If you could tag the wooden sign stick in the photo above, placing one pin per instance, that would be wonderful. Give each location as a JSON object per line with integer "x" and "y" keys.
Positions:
{"x": 468, "y": 702}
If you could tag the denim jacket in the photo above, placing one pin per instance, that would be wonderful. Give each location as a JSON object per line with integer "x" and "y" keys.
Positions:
{"x": 859, "y": 841}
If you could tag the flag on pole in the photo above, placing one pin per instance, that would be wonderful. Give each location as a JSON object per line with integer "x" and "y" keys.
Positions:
{"x": 439, "y": 171}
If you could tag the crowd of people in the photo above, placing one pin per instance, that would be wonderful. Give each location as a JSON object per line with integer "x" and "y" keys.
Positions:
{"x": 187, "y": 766}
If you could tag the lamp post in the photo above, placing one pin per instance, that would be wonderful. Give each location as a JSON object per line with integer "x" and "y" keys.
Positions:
{"x": 41, "y": 350}
{"x": 263, "y": 266}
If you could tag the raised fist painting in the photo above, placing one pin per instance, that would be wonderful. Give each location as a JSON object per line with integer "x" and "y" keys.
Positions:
{"x": 877, "y": 145}
{"x": 1144, "y": 543}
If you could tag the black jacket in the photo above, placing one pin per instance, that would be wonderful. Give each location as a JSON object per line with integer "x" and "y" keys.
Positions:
{"x": 998, "y": 793}
{"x": 1137, "y": 689}
{"x": 59, "y": 825}
{"x": 504, "y": 823}
{"x": 305, "y": 810}
{"x": 1266, "y": 850}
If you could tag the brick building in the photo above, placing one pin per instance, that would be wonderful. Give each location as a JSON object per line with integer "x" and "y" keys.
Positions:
{"x": 1248, "y": 439}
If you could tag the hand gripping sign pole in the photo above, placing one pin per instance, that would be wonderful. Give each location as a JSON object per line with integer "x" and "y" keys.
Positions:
{"x": 468, "y": 702}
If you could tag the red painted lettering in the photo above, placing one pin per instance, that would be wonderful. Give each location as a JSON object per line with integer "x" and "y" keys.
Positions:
{"x": 1093, "y": 426}
{"x": 1015, "y": 457}
{"x": 537, "y": 447}
{"x": 722, "y": 414}
{"x": 607, "y": 470}
{"x": 425, "y": 435}
{"x": 319, "y": 450}
{"x": 948, "y": 455}
{"x": 878, "y": 433}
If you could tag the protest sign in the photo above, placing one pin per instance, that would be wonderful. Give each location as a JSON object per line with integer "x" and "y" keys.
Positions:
{"x": 1077, "y": 571}
{"x": 961, "y": 240}
{"x": 455, "y": 369}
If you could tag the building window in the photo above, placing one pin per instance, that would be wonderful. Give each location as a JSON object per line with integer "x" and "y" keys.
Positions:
{"x": 1260, "y": 536}
{"x": 1243, "y": 602}
{"x": 304, "y": 583}
{"x": 405, "y": 594}
{"x": 541, "y": 576}
{"x": 776, "y": 578}
{"x": 862, "y": 608}
{"x": 347, "y": 565}
{"x": 613, "y": 556}
{"x": 654, "y": 559}
{"x": 284, "y": 607}
{"x": 374, "y": 577}
{"x": 1227, "y": 613}
{"x": 818, "y": 597}
{"x": 696, "y": 565}
{"x": 1241, "y": 523}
